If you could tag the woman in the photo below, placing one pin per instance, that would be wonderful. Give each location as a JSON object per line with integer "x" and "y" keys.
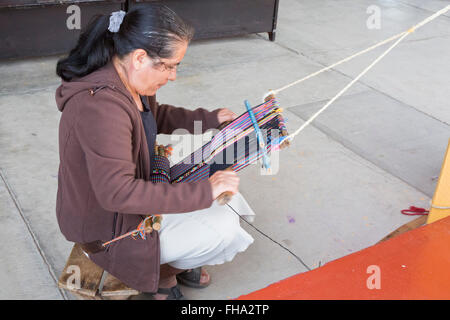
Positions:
{"x": 109, "y": 122}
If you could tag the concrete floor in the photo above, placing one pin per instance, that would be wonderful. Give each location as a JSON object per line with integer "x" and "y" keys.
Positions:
{"x": 341, "y": 184}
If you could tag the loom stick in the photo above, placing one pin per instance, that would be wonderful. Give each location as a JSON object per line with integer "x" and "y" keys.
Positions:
{"x": 148, "y": 225}
{"x": 223, "y": 125}
{"x": 156, "y": 222}
{"x": 269, "y": 97}
{"x": 161, "y": 150}
{"x": 284, "y": 132}
{"x": 260, "y": 139}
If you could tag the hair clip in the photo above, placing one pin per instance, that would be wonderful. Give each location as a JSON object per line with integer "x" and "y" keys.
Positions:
{"x": 116, "y": 20}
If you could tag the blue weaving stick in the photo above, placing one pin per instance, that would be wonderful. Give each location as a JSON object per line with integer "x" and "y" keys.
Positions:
{"x": 259, "y": 136}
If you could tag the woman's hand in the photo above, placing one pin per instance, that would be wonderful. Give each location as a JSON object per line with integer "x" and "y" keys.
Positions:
{"x": 226, "y": 115}
{"x": 222, "y": 181}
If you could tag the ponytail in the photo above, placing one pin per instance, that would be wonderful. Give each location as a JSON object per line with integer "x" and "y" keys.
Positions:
{"x": 94, "y": 49}
{"x": 151, "y": 27}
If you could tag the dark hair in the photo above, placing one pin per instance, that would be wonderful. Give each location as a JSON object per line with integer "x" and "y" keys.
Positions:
{"x": 151, "y": 27}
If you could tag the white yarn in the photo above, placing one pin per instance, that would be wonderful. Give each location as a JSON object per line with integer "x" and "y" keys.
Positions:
{"x": 439, "y": 207}
{"x": 291, "y": 136}
{"x": 399, "y": 36}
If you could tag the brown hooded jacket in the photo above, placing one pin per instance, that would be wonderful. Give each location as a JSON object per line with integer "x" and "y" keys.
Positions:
{"x": 103, "y": 181}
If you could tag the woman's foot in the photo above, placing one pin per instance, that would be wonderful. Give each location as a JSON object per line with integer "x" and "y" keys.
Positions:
{"x": 194, "y": 278}
{"x": 173, "y": 293}
{"x": 168, "y": 286}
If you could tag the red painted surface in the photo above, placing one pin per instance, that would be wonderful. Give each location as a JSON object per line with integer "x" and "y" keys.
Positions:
{"x": 413, "y": 265}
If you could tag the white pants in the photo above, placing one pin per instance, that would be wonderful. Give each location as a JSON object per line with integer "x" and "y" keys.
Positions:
{"x": 204, "y": 237}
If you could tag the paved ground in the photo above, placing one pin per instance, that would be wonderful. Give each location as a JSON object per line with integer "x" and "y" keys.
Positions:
{"x": 340, "y": 186}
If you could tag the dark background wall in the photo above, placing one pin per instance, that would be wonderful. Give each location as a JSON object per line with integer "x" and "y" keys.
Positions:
{"x": 32, "y": 28}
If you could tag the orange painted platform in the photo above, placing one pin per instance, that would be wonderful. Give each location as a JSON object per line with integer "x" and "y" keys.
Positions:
{"x": 413, "y": 265}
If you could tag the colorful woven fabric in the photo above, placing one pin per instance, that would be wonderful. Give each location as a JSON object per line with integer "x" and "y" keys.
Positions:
{"x": 161, "y": 170}
{"x": 234, "y": 146}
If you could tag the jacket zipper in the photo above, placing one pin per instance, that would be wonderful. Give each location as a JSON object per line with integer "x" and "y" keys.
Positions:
{"x": 114, "y": 225}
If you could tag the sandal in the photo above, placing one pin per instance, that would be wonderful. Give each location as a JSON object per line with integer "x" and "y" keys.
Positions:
{"x": 192, "y": 278}
{"x": 173, "y": 293}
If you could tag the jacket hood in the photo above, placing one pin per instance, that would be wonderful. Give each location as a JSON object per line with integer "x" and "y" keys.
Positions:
{"x": 103, "y": 77}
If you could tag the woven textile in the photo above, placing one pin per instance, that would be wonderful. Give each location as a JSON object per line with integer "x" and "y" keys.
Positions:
{"x": 234, "y": 146}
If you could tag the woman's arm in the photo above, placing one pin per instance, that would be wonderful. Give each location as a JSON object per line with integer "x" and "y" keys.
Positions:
{"x": 104, "y": 130}
{"x": 170, "y": 118}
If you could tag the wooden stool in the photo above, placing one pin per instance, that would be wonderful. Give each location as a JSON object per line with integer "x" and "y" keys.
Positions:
{"x": 89, "y": 285}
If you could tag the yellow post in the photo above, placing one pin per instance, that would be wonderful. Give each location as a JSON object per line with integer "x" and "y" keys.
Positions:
{"x": 440, "y": 205}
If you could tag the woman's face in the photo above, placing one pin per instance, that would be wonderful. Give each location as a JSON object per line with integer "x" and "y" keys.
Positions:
{"x": 147, "y": 75}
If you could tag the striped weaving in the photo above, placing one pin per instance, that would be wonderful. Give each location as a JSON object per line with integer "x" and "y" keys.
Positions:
{"x": 234, "y": 146}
